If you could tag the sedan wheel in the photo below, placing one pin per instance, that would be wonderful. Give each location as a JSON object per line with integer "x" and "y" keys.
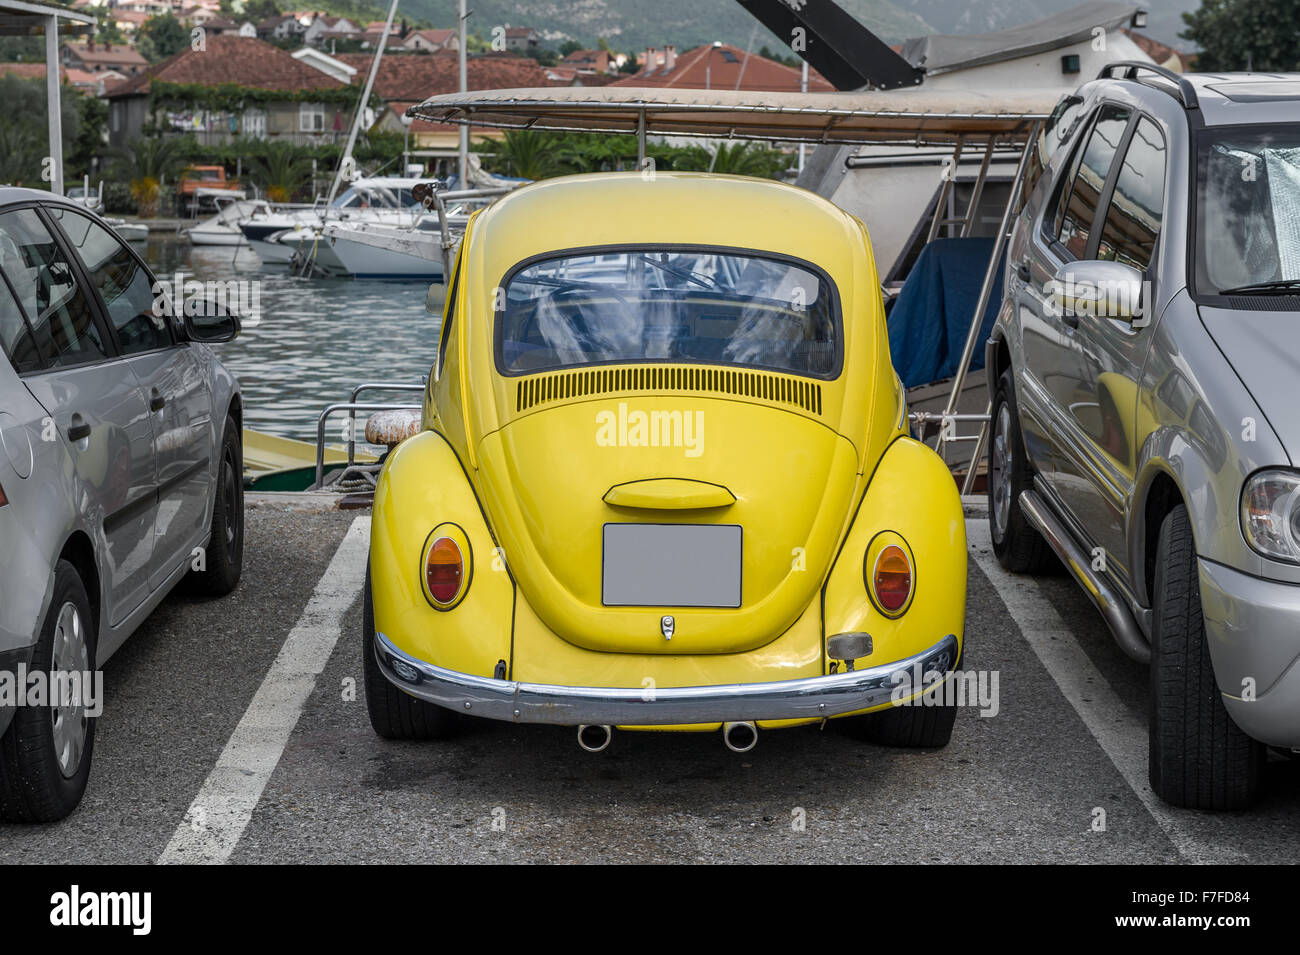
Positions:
{"x": 46, "y": 754}
{"x": 68, "y": 715}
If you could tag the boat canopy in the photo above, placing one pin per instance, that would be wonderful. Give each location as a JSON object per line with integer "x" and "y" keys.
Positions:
{"x": 900, "y": 117}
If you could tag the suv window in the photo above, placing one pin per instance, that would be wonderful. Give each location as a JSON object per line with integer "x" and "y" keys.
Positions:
{"x": 56, "y": 306}
{"x": 125, "y": 285}
{"x": 1247, "y": 193}
{"x": 1136, "y": 208}
{"x": 1079, "y": 201}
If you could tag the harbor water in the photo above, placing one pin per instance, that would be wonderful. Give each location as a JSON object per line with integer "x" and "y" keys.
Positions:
{"x": 314, "y": 338}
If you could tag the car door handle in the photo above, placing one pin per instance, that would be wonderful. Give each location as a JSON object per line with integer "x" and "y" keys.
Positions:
{"x": 1023, "y": 271}
{"x": 156, "y": 401}
{"x": 78, "y": 430}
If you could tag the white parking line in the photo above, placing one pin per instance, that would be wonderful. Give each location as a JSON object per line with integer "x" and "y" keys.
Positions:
{"x": 1120, "y": 735}
{"x": 225, "y": 803}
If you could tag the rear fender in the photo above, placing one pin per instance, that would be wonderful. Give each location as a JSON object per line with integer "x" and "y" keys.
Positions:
{"x": 913, "y": 495}
{"x": 422, "y": 486}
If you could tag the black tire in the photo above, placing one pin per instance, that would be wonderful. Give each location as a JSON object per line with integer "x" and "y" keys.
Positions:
{"x": 912, "y": 727}
{"x": 1199, "y": 758}
{"x": 393, "y": 713}
{"x": 224, "y": 558}
{"x": 1016, "y": 543}
{"x": 33, "y": 785}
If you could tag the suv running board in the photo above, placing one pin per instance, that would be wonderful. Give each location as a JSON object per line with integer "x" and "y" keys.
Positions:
{"x": 1116, "y": 613}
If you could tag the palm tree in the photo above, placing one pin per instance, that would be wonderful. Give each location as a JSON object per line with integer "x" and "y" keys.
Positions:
{"x": 741, "y": 159}
{"x": 145, "y": 163}
{"x": 282, "y": 170}
{"x": 528, "y": 154}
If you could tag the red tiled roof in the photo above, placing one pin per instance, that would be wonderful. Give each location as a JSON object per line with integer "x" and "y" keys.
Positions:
{"x": 593, "y": 59}
{"x": 28, "y": 71}
{"x": 728, "y": 69}
{"x": 435, "y": 36}
{"x": 1158, "y": 51}
{"x": 245, "y": 61}
{"x": 115, "y": 56}
{"x": 413, "y": 77}
{"x": 36, "y": 71}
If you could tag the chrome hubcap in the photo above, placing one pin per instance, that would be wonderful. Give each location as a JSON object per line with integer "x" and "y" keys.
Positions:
{"x": 230, "y": 491}
{"x": 1000, "y": 471}
{"x": 71, "y": 655}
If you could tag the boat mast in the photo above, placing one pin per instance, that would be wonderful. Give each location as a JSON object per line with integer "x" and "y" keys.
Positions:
{"x": 464, "y": 85}
{"x": 345, "y": 161}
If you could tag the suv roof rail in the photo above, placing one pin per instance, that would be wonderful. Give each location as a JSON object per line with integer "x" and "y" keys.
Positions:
{"x": 1182, "y": 85}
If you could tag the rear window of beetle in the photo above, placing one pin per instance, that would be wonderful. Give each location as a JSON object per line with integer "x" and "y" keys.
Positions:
{"x": 669, "y": 305}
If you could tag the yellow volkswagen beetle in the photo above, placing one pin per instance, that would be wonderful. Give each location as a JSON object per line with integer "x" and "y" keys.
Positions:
{"x": 664, "y": 480}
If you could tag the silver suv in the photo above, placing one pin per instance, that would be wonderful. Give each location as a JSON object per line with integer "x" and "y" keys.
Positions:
{"x": 1144, "y": 372}
{"x": 120, "y": 474}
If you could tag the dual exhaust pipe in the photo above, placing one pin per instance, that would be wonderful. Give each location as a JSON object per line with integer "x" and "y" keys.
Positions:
{"x": 739, "y": 737}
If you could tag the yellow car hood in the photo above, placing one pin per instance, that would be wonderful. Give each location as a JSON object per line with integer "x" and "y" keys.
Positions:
{"x": 551, "y": 479}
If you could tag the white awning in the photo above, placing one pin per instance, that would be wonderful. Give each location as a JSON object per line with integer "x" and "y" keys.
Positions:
{"x": 901, "y": 117}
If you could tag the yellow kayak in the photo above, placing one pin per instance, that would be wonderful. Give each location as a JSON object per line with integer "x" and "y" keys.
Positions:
{"x": 273, "y": 463}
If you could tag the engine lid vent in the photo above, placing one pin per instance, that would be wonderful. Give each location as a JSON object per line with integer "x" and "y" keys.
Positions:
{"x": 563, "y": 386}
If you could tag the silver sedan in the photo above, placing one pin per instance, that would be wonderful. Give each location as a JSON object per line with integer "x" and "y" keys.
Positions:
{"x": 120, "y": 476}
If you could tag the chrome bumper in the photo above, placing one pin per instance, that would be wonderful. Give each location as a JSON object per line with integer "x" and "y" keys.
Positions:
{"x": 516, "y": 702}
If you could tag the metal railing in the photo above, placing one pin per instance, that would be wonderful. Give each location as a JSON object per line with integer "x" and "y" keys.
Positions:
{"x": 352, "y": 407}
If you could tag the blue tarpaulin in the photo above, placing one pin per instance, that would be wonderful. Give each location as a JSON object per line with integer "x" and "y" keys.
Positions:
{"x": 931, "y": 316}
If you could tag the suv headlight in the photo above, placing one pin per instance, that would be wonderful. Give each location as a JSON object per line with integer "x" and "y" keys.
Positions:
{"x": 1270, "y": 514}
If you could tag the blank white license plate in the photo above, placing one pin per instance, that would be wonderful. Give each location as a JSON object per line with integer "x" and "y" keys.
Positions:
{"x": 671, "y": 565}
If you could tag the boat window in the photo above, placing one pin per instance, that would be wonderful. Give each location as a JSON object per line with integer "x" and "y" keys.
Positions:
{"x": 1133, "y": 218}
{"x": 47, "y": 289}
{"x": 670, "y": 305}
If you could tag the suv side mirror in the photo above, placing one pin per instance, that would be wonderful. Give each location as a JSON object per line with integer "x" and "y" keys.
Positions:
{"x": 209, "y": 322}
{"x": 1098, "y": 289}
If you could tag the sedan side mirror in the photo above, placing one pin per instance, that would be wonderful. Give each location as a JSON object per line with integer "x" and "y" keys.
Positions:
{"x": 1098, "y": 289}
{"x": 209, "y": 322}
{"x": 435, "y": 298}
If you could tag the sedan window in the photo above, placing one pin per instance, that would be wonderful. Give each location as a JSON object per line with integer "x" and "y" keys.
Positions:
{"x": 125, "y": 285}
{"x": 16, "y": 336}
{"x": 47, "y": 289}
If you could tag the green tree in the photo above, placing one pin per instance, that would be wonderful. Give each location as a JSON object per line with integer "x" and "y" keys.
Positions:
{"x": 109, "y": 32}
{"x": 259, "y": 10}
{"x": 1245, "y": 34}
{"x": 528, "y": 154}
{"x": 161, "y": 36}
{"x": 282, "y": 170}
{"x": 145, "y": 163}
{"x": 747, "y": 159}
{"x": 24, "y": 136}
{"x": 570, "y": 46}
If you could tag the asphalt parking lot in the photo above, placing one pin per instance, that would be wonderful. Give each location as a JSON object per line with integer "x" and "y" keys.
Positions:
{"x": 230, "y": 733}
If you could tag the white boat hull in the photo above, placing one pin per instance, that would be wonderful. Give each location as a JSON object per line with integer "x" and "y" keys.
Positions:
{"x": 415, "y": 256}
{"x": 215, "y": 237}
